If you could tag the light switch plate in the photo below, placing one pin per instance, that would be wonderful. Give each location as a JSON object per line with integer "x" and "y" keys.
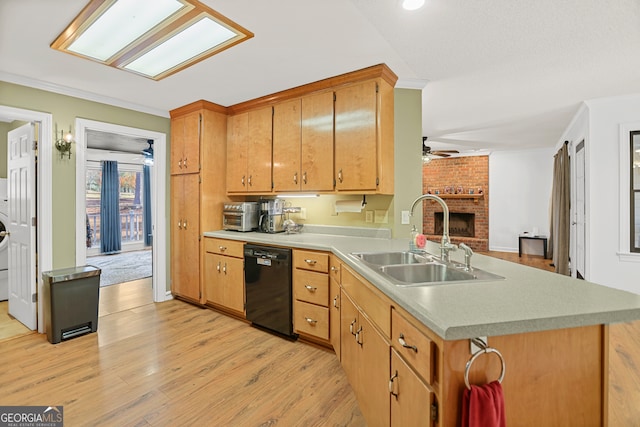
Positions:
{"x": 405, "y": 217}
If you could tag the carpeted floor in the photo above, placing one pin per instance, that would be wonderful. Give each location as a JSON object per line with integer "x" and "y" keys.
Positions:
{"x": 122, "y": 267}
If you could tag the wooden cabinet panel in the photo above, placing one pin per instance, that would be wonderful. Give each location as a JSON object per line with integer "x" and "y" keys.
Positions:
{"x": 356, "y": 137}
{"x": 411, "y": 399}
{"x": 418, "y": 350}
{"x": 334, "y": 315}
{"x": 185, "y": 244}
{"x": 237, "y": 152}
{"x": 224, "y": 281}
{"x": 185, "y": 144}
{"x": 335, "y": 268}
{"x": 308, "y": 260}
{"x": 224, "y": 247}
{"x": 287, "y": 146}
{"x": 317, "y": 142}
{"x": 348, "y": 346}
{"x": 311, "y": 287}
{"x": 369, "y": 299}
{"x": 311, "y": 319}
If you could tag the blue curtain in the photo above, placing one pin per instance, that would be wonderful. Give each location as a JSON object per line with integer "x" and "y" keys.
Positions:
{"x": 146, "y": 205}
{"x": 110, "y": 227}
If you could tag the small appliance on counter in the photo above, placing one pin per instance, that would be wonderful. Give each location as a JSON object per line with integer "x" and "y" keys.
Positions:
{"x": 271, "y": 216}
{"x": 240, "y": 216}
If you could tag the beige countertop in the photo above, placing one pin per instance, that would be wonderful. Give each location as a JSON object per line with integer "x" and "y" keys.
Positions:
{"x": 527, "y": 300}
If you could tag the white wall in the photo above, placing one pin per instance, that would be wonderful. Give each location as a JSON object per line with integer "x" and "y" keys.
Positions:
{"x": 519, "y": 195}
{"x": 609, "y": 265}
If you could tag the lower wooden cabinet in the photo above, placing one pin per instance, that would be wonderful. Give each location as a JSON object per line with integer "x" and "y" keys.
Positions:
{"x": 224, "y": 275}
{"x": 311, "y": 295}
{"x": 411, "y": 399}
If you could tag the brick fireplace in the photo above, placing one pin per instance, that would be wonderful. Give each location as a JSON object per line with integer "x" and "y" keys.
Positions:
{"x": 463, "y": 183}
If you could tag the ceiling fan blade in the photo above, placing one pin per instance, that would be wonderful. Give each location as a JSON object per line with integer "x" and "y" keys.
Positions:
{"x": 440, "y": 154}
{"x": 446, "y": 151}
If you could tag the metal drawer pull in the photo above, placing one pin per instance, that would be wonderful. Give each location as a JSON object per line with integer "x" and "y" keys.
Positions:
{"x": 185, "y": 162}
{"x": 250, "y": 181}
{"x": 180, "y": 224}
{"x": 391, "y": 385}
{"x": 310, "y": 288}
{"x": 340, "y": 175}
{"x": 222, "y": 248}
{"x": 351, "y": 327}
{"x": 304, "y": 178}
{"x": 243, "y": 180}
{"x": 311, "y": 261}
{"x": 310, "y": 321}
{"x": 334, "y": 268}
{"x": 295, "y": 178}
{"x": 224, "y": 269}
{"x": 180, "y": 163}
{"x": 184, "y": 224}
{"x": 335, "y": 301}
{"x": 358, "y": 332}
{"x": 405, "y": 345}
{"x": 218, "y": 268}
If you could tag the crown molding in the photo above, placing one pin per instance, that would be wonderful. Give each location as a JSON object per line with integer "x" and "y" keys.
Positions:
{"x": 76, "y": 93}
{"x": 411, "y": 83}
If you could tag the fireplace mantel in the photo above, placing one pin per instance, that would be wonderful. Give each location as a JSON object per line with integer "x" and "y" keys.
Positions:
{"x": 475, "y": 197}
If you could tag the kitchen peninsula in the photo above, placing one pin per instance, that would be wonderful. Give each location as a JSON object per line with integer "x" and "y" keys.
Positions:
{"x": 550, "y": 329}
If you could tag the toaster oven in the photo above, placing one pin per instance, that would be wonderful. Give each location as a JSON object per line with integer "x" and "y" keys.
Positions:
{"x": 240, "y": 216}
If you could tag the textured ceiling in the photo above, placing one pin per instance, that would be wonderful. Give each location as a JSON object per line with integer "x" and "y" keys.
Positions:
{"x": 499, "y": 74}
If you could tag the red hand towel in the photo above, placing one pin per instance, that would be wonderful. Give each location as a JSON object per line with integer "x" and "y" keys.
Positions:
{"x": 483, "y": 406}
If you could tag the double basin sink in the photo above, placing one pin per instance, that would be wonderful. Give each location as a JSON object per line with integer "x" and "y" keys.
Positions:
{"x": 404, "y": 268}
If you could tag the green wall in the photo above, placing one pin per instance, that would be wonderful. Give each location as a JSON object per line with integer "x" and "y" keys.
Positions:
{"x": 65, "y": 110}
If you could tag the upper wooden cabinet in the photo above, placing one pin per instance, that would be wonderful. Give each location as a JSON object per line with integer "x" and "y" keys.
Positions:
{"x": 303, "y": 144}
{"x": 249, "y": 149}
{"x": 185, "y": 144}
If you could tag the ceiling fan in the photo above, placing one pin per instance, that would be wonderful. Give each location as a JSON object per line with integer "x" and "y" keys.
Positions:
{"x": 147, "y": 154}
{"x": 427, "y": 154}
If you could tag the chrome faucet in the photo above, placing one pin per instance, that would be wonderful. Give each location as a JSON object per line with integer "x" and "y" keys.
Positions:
{"x": 467, "y": 256}
{"x": 445, "y": 245}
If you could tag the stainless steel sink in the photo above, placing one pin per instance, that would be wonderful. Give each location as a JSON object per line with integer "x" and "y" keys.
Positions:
{"x": 391, "y": 258}
{"x": 404, "y": 268}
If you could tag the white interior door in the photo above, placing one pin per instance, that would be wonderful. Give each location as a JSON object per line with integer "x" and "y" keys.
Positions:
{"x": 580, "y": 225}
{"x": 21, "y": 227}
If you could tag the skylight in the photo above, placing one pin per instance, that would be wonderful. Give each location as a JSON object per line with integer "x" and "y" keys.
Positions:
{"x": 153, "y": 38}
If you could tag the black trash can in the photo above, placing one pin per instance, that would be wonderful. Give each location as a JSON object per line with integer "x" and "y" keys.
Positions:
{"x": 71, "y": 302}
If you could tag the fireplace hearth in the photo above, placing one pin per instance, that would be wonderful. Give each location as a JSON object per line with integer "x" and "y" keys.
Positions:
{"x": 460, "y": 224}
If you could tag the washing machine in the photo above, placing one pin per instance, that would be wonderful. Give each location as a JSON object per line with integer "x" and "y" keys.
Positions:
{"x": 4, "y": 242}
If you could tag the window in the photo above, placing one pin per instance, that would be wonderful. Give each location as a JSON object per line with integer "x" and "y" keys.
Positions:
{"x": 131, "y": 200}
{"x": 635, "y": 190}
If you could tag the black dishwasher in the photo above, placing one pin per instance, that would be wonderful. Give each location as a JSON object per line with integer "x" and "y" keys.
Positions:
{"x": 267, "y": 278}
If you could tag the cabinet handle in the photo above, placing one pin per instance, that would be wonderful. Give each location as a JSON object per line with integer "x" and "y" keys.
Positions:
{"x": 304, "y": 177}
{"x": 249, "y": 180}
{"x": 310, "y": 320}
{"x": 351, "y": 326}
{"x": 391, "y": 387}
{"x": 184, "y": 224}
{"x": 335, "y": 301}
{"x": 335, "y": 269}
{"x": 310, "y": 288}
{"x": 180, "y": 224}
{"x": 185, "y": 162}
{"x": 295, "y": 178}
{"x": 311, "y": 261}
{"x": 218, "y": 267}
{"x": 180, "y": 163}
{"x": 243, "y": 180}
{"x": 405, "y": 345}
{"x": 222, "y": 248}
{"x": 224, "y": 269}
{"x": 340, "y": 175}
{"x": 358, "y": 332}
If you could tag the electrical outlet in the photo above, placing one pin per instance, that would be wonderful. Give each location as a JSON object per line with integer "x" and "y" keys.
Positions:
{"x": 303, "y": 213}
{"x": 369, "y": 216}
{"x": 405, "y": 217}
{"x": 381, "y": 217}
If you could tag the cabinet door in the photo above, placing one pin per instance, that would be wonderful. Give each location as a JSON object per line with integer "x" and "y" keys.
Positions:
{"x": 348, "y": 346}
{"x": 317, "y": 142}
{"x": 259, "y": 159}
{"x": 356, "y": 137}
{"x": 237, "y": 151}
{"x": 185, "y": 144}
{"x": 286, "y": 146}
{"x": 224, "y": 281}
{"x": 411, "y": 399}
{"x": 373, "y": 374}
{"x": 334, "y": 315}
{"x": 185, "y": 231}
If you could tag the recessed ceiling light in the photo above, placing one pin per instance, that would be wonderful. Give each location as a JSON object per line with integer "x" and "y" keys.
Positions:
{"x": 412, "y": 4}
{"x": 153, "y": 38}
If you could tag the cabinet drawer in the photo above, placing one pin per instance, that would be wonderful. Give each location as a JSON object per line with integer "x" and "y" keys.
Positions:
{"x": 314, "y": 261}
{"x": 311, "y": 287}
{"x": 224, "y": 247}
{"x": 335, "y": 269}
{"x": 311, "y": 319}
{"x": 418, "y": 350}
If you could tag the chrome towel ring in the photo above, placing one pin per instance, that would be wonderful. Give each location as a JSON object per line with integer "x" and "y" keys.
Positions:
{"x": 483, "y": 350}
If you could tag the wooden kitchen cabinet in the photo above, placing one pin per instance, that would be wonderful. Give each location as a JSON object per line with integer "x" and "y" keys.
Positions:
{"x": 249, "y": 151}
{"x": 185, "y": 229}
{"x": 303, "y": 144}
{"x": 198, "y": 165}
{"x": 224, "y": 275}
{"x": 311, "y": 294}
{"x": 364, "y": 137}
{"x": 410, "y": 397}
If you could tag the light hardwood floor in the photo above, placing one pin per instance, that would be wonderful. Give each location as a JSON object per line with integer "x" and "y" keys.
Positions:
{"x": 176, "y": 364}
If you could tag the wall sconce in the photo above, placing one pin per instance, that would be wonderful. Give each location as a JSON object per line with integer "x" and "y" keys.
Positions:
{"x": 63, "y": 144}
